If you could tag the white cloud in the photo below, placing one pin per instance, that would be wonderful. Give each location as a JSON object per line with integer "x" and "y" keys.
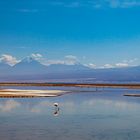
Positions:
{"x": 98, "y": 3}
{"x": 91, "y": 65}
{"x": 71, "y": 60}
{"x": 113, "y": 3}
{"x": 72, "y": 4}
{"x": 117, "y": 65}
{"x": 9, "y": 59}
{"x": 128, "y": 4}
{"x": 131, "y": 60}
{"x": 72, "y": 57}
{"x": 28, "y": 10}
{"x": 121, "y": 105}
{"x": 50, "y": 62}
{"x": 57, "y": 3}
{"x": 126, "y": 63}
{"x": 40, "y": 107}
{"x": 35, "y": 110}
{"x": 122, "y": 65}
{"x": 119, "y": 3}
{"x": 122, "y": 3}
{"x": 108, "y": 66}
{"x": 68, "y": 60}
{"x": 9, "y": 106}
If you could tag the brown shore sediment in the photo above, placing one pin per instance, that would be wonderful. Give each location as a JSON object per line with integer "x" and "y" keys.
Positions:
{"x": 111, "y": 85}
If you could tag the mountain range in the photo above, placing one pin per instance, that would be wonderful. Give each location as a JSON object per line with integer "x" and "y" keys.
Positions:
{"x": 31, "y": 69}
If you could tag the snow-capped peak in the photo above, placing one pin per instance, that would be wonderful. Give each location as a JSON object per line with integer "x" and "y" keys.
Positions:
{"x": 28, "y": 59}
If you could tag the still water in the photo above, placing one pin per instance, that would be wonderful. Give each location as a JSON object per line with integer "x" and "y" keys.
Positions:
{"x": 94, "y": 115}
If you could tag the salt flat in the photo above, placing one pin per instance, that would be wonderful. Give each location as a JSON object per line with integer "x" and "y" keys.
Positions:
{"x": 30, "y": 93}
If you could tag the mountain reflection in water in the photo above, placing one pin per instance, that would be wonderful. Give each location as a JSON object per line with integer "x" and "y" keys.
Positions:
{"x": 104, "y": 115}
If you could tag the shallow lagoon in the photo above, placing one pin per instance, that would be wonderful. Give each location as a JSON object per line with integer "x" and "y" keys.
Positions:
{"x": 101, "y": 115}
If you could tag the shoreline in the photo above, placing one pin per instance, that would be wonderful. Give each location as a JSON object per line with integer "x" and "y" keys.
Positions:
{"x": 96, "y": 85}
{"x": 132, "y": 95}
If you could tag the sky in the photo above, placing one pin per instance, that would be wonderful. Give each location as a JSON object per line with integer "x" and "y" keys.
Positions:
{"x": 97, "y": 33}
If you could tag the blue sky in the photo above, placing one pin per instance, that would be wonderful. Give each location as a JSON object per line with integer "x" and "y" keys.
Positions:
{"x": 104, "y": 33}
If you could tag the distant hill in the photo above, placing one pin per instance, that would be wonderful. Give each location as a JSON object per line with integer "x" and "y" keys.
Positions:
{"x": 4, "y": 67}
{"x": 28, "y": 66}
{"x": 31, "y": 69}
